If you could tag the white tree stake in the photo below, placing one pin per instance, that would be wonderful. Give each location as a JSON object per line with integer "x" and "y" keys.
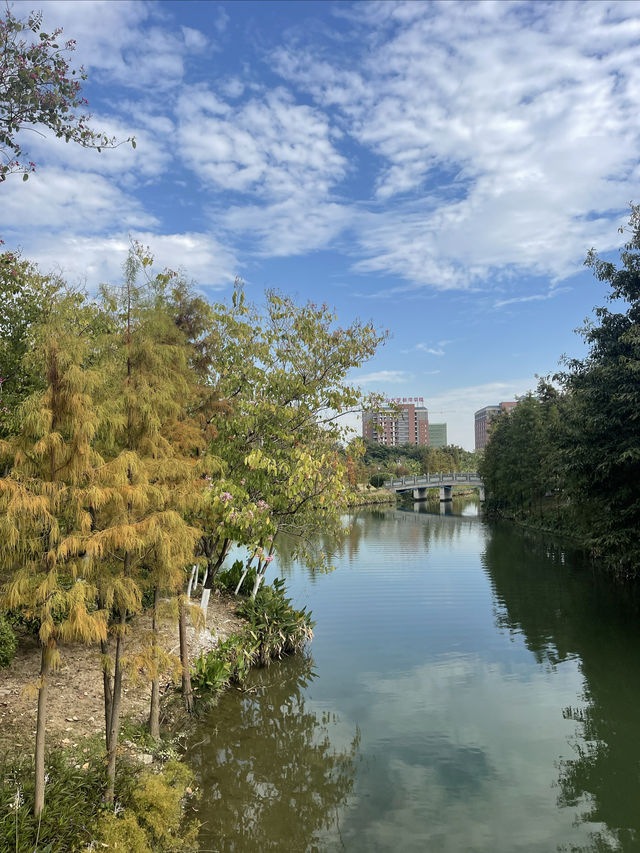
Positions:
{"x": 193, "y": 571}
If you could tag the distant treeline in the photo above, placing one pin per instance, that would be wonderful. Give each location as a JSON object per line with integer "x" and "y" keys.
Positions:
{"x": 569, "y": 457}
{"x": 416, "y": 459}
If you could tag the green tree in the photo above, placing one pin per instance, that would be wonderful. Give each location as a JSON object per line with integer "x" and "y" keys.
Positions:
{"x": 285, "y": 385}
{"x": 602, "y": 451}
{"x": 39, "y": 91}
{"x": 27, "y": 298}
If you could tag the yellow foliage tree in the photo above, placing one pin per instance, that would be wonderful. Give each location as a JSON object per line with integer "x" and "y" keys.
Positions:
{"x": 43, "y": 519}
{"x": 140, "y": 536}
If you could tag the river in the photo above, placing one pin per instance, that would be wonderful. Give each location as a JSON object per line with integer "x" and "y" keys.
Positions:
{"x": 470, "y": 687}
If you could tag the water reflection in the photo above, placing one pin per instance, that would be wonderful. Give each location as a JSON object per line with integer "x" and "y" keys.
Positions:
{"x": 271, "y": 772}
{"x": 493, "y": 678}
{"x": 542, "y": 592}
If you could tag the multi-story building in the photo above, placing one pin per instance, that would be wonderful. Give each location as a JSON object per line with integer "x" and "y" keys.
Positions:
{"x": 483, "y": 421}
{"x": 437, "y": 435}
{"x": 404, "y": 421}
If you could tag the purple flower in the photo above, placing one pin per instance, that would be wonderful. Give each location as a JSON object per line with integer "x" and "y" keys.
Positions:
{"x": 226, "y": 497}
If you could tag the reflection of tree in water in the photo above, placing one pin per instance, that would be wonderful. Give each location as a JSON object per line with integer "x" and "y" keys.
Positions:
{"x": 417, "y": 524}
{"x": 270, "y": 777}
{"x": 564, "y": 610}
{"x": 360, "y": 526}
{"x": 430, "y": 527}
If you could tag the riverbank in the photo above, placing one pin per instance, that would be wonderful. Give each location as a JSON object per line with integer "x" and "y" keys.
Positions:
{"x": 76, "y": 701}
{"x": 369, "y": 496}
{"x": 546, "y": 519}
{"x": 154, "y": 812}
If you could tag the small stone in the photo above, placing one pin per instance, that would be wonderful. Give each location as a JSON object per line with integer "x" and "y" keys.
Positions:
{"x": 145, "y": 758}
{"x": 85, "y": 766}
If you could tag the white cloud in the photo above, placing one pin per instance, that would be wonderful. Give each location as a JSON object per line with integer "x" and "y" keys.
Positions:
{"x": 149, "y": 159}
{"x": 429, "y": 350}
{"x": 128, "y": 42}
{"x": 458, "y": 405}
{"x": 277, "y": 154}
{"x": 506, "y": 141}
{"x": 533, "y": 297}
{"x": 269, "y": 146}
{"x": 222, "y": 19}
{"x": 58, "y": 198}
{"x": 93, "y": 259}
{"x": 383, "y": 376}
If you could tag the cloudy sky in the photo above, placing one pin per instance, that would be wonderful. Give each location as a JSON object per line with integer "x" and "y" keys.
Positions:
{"x": 441, "y": 168}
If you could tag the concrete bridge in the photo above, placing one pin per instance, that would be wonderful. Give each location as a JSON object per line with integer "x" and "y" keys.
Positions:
{"x": 444, "y": 482}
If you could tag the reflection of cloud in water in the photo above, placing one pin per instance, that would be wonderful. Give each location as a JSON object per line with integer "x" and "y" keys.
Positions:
{"x": 445, "y": 766}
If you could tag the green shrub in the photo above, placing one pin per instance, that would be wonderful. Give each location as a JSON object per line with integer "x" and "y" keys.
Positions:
{"x": 377, "y": 480}
{"x": 230, "y": 578}
{"x": 122, "y": 833}
{"x": 73, "y": 801}
{"x": 229, "y": 662}
{"x": 210, "y": 674}
{"x": 149, "y": 814}
{"x": 275, "y": 625}
{"x": 8, "y": 643}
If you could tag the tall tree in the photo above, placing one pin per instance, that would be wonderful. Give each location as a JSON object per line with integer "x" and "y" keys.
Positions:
{"x": 286, "y": 385}
{"x": 141, "y": 532}
{"x": 43, "y": 520}
{"x": 603, "y": 449}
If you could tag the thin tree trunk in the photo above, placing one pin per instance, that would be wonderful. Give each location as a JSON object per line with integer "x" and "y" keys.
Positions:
{"x": 187, "y": 693}
{"x": 154, "y": 712}
{"x": 114, "y": 721}
{"x": 107, "y": 683}
{"x": 213, "y": 567}
{"x": 262, "y": 569}
{"x": 38, "y": 803}
{"x": 244, "y": 574}
{"x": 192, "y": 581}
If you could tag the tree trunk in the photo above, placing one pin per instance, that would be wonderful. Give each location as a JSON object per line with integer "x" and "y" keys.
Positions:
{"x": 154, "y": 712}
{"x": 107, "y": 684}
{"x": 187, "y": 693}
{"x": 38, "y": 803}
{"x": 213, "y": 566}
{"x": 244, "y": 574}
{"x": 114, "y": 721}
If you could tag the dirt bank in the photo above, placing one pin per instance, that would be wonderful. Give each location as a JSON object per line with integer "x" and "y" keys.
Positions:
{"x": 76, "y": 704}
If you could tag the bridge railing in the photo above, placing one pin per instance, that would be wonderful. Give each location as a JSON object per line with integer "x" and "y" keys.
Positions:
{"x": 419, "y": 480}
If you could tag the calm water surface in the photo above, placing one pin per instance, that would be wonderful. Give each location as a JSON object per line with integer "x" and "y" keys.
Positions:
{"x": 470, "y": 687}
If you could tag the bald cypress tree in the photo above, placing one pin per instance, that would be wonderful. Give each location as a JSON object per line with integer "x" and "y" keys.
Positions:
{"x": 141, "y": 533}
{"x": 43, "y": 518}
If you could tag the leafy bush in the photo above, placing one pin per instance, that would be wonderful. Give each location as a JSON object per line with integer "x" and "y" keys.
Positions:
{"x": 153, "y": 819}
{"x": 230, "y": 578}
{"x": 210, "y": 674}
{"x": 72, "y": 802}
{"x": 8, "y": 643}
{"x": 148, "y": 816}
{"x": 275, "y": 625}
{"x": 229, "y": 662}
{"x": 377, "y": 480}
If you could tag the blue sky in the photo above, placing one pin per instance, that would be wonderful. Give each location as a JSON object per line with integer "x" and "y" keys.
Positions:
{"x": 440, "y": 168}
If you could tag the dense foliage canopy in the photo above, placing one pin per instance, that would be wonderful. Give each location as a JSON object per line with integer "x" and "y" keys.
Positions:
{"x": 571, "y": 454}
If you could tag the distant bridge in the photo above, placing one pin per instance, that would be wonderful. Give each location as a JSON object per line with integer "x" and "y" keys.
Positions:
{"x": 444, "y": 482}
